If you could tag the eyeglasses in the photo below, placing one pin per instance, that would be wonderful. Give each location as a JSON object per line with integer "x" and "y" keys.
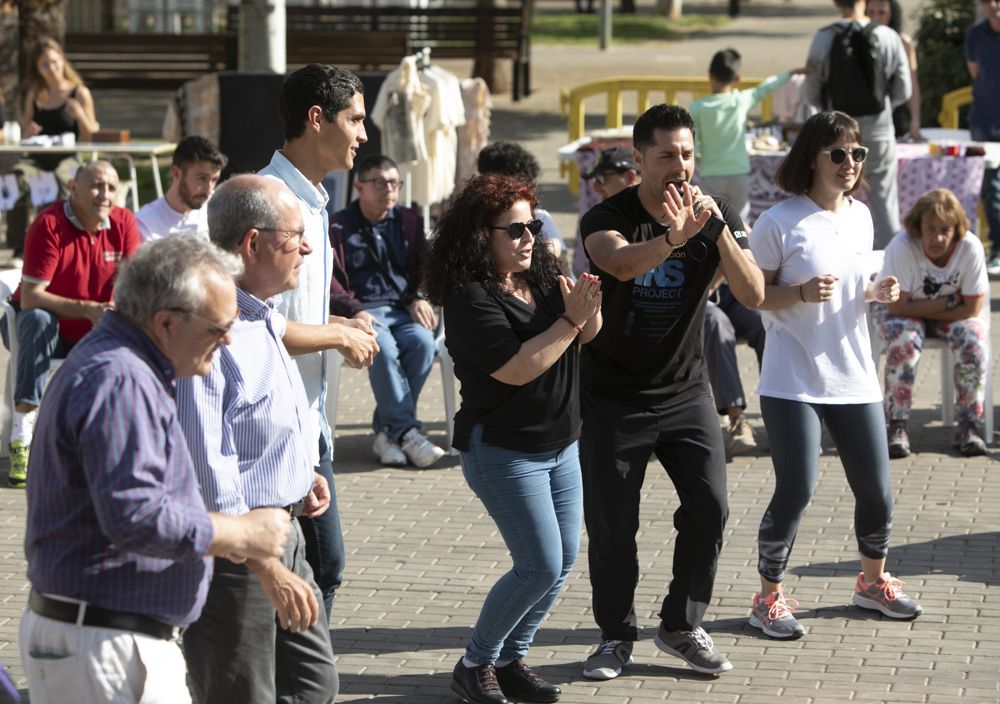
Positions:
{"x": 516, "y": 229}
{"x": 293, "y": 235}
{"x": 213, "y": 327}
{"x": 382, "y": 184}
{"x": 837, "y": 156}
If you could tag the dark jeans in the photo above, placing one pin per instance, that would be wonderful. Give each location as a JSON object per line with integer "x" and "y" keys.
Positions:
{"x": 727, "y": 322}
{"x": 991, "y": 186}
{"x": 237, "y": 653}
{"x": 324, "y": 538}
{"x": 617, "y": 443}
{"x": 795, "y": 427}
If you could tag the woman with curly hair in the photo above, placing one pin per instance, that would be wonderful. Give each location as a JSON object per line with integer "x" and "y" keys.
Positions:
{"x": 941, "y": 268}
{"x": 514, "y": 327}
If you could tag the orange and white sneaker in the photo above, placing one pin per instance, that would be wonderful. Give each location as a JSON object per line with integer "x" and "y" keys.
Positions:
{"x": 773, "y": 615}
{"x": 885, "y": 594}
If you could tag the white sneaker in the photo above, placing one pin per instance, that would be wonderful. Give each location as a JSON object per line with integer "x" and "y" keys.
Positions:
{"x": 993, "y": 265}
{"x": 419, "y": 450}
{"x": 389, "y": 453}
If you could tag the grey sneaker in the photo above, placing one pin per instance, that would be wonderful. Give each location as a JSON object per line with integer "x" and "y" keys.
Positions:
{"x": 993, "y": 265}
{"x": 968, "y": 442}
{"x": 608, "y": 660}
{"x": 899, "y": 441}
{"x": 693, "y": 647}
{"x": 773, "y": 615}
{"x": 739, "y": 437}
{"x": 388, "y": 452}
{"x": 419, "y": 450}
{"x": 885, "y": 594}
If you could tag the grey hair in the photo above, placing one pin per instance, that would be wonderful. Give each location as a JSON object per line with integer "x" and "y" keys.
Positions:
{"x": 238, "y": 205}
{"x": 90, "y": 169}
{"x": 170, "y": 273}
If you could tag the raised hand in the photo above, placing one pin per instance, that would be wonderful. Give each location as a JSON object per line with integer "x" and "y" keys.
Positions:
{"x": 582, "y": 300}
{"x": 680, "y": 214}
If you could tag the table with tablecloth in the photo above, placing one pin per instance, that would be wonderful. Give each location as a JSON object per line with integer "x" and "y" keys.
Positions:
{"x": 918, "y": 172}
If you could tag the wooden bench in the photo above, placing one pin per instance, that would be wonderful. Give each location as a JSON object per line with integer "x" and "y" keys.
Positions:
{"x": 345, "y": 48}
{"x": 148, "y": 61}
{"x": 462, "y": 30}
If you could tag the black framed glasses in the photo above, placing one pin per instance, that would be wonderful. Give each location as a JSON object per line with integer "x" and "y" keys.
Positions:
{"x": 213, "y": 327}
{"x": 516, "y": 229}
{"x": 382, "y": 183}
{"x": 837, "y": 155}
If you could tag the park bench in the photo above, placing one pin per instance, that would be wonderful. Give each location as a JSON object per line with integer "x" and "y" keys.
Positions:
{"x": 461, "y": 30}
{"x": 355, "y": 49}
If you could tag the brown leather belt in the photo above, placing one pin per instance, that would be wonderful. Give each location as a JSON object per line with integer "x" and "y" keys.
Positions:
{"x": 69, "y": 612}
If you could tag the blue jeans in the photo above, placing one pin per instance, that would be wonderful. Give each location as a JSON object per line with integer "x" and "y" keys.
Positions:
{"x": 39, "y": 343}
{"x": 536, "y": 501}
{"x": 324, "y": 538}
{"x": 991, "y": 186}
{"x": 400, "y": 369}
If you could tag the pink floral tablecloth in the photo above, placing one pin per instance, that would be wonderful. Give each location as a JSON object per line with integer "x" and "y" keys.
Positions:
{"x": 918, "y": 172}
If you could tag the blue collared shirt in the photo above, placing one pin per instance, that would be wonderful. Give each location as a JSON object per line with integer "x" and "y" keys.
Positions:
{"x": 114, "y": 514}
{"x": 246, "y": 421}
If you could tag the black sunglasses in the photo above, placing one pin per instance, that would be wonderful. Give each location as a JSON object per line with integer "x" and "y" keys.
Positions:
{"x": 516, "y": 229}
{"x": 837, "y": 156}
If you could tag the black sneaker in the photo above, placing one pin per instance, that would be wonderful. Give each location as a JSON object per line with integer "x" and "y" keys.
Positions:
{"x": 477, "y": 685}
{"x": 522, "y": 684}
{"x": 899, "y": 441}
{"x": 968, "y": 442}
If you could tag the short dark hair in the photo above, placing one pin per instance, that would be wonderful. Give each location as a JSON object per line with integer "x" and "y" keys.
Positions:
{"x": 373, "y": 162}
{"x": 193, "y": 149}
{"x": 332, "y": 88}
{"x": 510, "y": 159}
{"x": 795, "y": 174}
{"x": 726, "y": 66}
{"x": 460, "y": 252}
{"x": 659, "y": 117}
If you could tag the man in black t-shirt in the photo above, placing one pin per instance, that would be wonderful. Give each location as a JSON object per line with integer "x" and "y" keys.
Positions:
{"x": 645, "y": 392}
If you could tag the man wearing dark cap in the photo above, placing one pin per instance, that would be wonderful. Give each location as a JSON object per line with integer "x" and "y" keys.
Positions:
{"x": 614, "y": 171}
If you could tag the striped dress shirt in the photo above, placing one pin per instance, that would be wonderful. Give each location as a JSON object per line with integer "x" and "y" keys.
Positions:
{"x": 114, "y": 514}
{"x": 246, "y": 422}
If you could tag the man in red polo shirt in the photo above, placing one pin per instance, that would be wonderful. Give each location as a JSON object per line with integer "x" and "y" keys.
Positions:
{"x": 71, "y": 253}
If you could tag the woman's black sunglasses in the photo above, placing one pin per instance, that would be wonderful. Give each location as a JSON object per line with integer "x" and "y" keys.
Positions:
{"x": 837, "y": 156}
{"x": 516, "y": 229}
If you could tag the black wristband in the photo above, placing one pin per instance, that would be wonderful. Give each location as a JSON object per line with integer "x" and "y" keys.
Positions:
{"x": 713, "y": 228}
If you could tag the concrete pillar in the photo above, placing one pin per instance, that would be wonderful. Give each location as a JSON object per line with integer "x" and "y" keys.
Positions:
{"x": 262, "y": 36}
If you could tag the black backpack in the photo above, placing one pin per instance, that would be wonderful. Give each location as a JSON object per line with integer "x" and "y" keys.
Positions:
{"x": 857, "y": 82}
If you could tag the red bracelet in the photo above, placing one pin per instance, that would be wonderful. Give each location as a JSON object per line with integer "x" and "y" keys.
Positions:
{"x": 574, "y": 325}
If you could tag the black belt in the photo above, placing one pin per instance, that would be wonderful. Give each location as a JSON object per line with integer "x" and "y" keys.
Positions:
{"x": 69, "y": 612}
{"x": 296, "y": 509}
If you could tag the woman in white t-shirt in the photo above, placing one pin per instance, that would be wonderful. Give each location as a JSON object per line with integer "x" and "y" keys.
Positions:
{"x": 941, "y": 268}
{"x": 817, "y": 367}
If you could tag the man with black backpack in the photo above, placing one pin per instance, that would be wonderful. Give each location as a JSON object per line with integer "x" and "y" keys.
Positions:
{"x": 860, "y": 68}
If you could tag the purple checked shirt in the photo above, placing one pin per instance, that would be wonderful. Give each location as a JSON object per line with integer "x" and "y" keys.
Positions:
{"x": 114, "y": 513}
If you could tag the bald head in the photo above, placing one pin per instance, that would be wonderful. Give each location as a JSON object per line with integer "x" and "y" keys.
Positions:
{"x": 246, "y": 202}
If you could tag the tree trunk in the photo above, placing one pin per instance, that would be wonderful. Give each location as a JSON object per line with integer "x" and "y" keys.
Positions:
{"x": 37, "y": 19}
{"x": 671, "y": 8}
{"x": 8, "y": 60}
{"x": 496, "y": 72}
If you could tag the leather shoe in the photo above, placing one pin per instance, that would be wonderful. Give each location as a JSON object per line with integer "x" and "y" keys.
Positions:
{"x": 521, "y": 683}
{"x": 477, "y": 684}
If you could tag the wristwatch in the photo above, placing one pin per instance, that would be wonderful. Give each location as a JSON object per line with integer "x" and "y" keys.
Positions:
{"x": 954, "y": 301}
{"x": 713, "y": 228}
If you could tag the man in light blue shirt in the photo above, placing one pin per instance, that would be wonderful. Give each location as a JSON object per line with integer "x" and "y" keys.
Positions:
{"x": 323, "y": 110}
{"x": 260, "y": 638}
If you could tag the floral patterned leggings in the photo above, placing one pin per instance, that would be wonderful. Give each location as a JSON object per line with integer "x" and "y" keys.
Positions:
{"x": 904, "y": 338}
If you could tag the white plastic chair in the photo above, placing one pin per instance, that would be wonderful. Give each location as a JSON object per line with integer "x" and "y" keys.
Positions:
{"x": 947, "y": 366}
{"x": 335, "y": 362}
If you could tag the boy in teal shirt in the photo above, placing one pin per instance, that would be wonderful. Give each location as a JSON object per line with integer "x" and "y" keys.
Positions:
{"x": 720, "y": 122}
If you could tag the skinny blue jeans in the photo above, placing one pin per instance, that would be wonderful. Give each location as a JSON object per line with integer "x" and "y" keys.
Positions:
{"x": 536, "y": 501}
{"x": 399, "y": 371}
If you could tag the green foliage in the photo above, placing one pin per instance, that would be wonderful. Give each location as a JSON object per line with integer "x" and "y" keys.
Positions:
{"x": 940, "y": 40}
{"x": 573, "y": 28}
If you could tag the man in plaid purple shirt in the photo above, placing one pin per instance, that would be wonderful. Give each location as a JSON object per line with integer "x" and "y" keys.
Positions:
{"x": 118, "y": 538}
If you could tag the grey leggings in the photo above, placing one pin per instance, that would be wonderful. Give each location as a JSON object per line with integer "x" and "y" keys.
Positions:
{"x": 794, "y": 430}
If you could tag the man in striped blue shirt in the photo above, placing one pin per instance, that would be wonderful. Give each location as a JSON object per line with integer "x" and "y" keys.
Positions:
{"x": 117, "y": 534}
{"x": 260, "y": 638}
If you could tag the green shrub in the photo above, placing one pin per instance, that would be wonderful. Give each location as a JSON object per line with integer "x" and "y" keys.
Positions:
{"x": 940, "y": 40}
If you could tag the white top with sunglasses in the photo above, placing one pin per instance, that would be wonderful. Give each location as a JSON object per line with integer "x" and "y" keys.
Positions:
{"x": 817, "y": 352}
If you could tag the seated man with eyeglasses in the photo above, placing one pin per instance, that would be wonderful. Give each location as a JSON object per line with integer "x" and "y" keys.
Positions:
{"x": 379, "y": 252}
{"x": 613, "y": 172}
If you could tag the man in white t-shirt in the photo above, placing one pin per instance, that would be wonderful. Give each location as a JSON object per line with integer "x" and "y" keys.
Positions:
{"x": 194, "y": 173}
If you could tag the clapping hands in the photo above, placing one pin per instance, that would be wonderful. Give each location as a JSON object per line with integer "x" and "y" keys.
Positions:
{"x": 582, "y": 300}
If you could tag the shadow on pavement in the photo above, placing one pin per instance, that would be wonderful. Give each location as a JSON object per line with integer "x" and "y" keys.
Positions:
{"x": 969, "y": 557}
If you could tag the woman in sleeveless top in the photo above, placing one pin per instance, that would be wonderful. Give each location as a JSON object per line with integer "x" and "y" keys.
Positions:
{"x": 56, "y": 102}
